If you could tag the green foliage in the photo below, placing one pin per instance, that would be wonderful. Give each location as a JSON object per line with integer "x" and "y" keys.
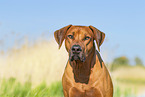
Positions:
{"x": 138, "y": 61}
{"x": 12, "y": 88}
{"x": 40, "y": 91}
{"x": 56, "y": 88}
{"x": 120, "y": 61}
{"x": 118, "y": 92}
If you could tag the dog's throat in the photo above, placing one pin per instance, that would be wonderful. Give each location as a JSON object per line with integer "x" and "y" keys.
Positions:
{"x": 81, "y": 71}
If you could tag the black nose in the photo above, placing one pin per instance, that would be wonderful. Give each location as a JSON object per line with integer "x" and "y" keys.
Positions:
{"x": 76, "y": 49}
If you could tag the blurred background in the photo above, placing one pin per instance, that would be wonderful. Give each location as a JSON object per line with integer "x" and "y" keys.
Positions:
{"x": 31, "y": 63}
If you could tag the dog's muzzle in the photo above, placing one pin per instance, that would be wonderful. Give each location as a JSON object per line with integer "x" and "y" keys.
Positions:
{"x": 76, "y": 53}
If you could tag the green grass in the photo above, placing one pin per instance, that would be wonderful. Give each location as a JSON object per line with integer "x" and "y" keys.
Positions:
{"x": 123, "y": 93}
{"x": 12, "y": 88}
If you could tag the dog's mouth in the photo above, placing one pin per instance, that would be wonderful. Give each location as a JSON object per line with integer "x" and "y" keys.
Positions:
{"x": 77, "y": 57}
{"x": 77, "y": 53}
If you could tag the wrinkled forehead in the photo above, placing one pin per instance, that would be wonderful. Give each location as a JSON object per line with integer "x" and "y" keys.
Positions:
{"x": 84, "y": 30}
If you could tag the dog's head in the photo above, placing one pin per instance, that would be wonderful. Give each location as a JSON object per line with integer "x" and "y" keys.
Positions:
{"x": 79, "y": 40}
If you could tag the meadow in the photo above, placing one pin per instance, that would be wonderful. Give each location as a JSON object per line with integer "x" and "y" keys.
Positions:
{"x": 36, "y": 71}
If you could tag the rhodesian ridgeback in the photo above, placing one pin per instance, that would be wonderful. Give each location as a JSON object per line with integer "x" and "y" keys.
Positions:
{"x": 85, "y": 74}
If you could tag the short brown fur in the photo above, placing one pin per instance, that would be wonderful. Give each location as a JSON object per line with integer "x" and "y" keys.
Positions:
{"x": 88, "y": 77}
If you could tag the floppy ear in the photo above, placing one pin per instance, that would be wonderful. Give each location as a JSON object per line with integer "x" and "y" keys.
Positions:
{"x": 60, "y": 34}
{"x": 98, "y": 36}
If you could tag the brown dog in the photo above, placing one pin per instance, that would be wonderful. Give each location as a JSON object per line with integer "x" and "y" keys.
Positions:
{"x": 85, "y": 74}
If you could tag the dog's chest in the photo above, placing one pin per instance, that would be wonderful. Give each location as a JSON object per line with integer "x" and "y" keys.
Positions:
{"x": 84, "y": 91}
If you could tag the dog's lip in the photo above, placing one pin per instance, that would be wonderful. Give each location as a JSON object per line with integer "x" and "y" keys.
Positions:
{"x": 77, "y": 57}
{"x": 74, "y": 57}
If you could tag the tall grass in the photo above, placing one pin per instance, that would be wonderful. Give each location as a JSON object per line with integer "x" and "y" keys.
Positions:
{"x": 41, "y": 61}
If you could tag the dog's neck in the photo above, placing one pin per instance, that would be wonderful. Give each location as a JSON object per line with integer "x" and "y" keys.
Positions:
{"x": 82, "y": 70}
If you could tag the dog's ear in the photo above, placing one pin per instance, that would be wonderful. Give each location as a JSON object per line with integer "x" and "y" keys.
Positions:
{"x": 98, "y": 36}
{"x": 60, "y": 34}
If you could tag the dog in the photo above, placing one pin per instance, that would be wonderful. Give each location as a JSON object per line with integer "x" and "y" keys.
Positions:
{"x": 85, "y": 74}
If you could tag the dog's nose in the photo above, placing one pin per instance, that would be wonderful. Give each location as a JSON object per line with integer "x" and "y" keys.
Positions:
{"x": 76, "y": 49}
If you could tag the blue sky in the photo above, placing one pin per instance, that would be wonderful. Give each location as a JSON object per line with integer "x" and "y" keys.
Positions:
{"x": 122, "y": 21}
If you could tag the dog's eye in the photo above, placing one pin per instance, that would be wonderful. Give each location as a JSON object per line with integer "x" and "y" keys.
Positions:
{"x": 70, "y": 36}
{"x": 87, "y": 38}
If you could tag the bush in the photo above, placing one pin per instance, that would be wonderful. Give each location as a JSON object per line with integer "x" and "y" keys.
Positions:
{"x": 138, "y": 61}
{"x": 120, "y": 61}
